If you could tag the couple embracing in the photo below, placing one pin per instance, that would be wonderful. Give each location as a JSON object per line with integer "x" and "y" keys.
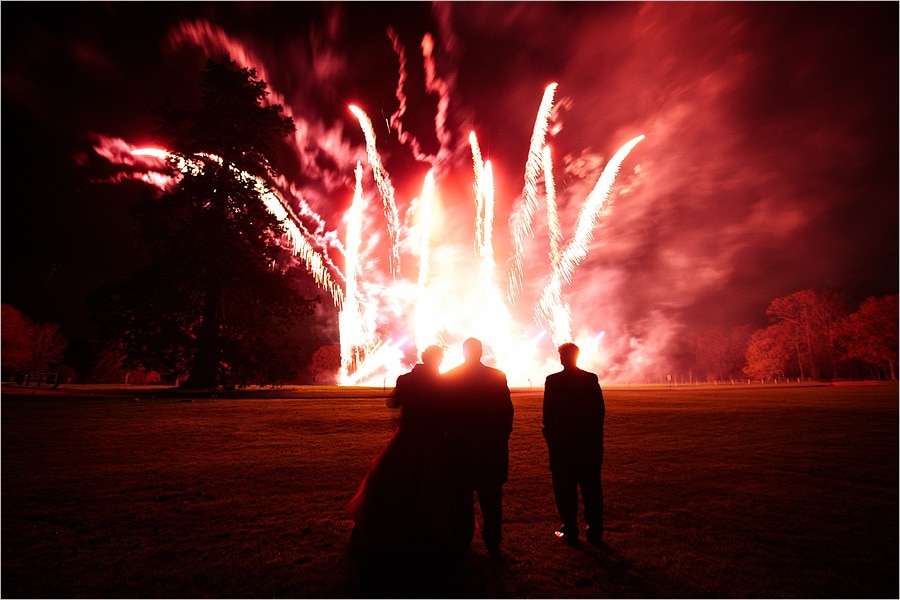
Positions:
{"x": 452, "y": 444}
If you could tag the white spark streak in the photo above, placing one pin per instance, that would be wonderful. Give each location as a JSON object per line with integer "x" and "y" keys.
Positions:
{"x": 484, "y": 214}
{"x": 273, "y": 202}
{"x": 427, "y": 317}
{"x": 383, "y": 181}
{"x": 523, "y": 217}
{"x": 550, "y": 308}
{"x": 351, "y": 324}
{"x": 587, "y": 217}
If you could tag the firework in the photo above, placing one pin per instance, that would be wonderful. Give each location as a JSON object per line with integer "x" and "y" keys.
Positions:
{"x": 449, "y": 292}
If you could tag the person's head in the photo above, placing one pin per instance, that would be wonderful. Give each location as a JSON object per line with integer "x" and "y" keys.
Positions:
{"x": 472, "y": 350}
{"x": 568, "y": 354}
{"x": 432, "y": 356}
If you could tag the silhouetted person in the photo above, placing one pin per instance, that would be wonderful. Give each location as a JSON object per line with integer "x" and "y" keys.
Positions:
{"x": 479, "y": 418}
{"x": 573, "y": 414}
{"x": 392, "y": 508}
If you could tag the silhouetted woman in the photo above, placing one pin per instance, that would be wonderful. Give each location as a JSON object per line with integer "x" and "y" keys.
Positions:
{"x": 394, "y": 507}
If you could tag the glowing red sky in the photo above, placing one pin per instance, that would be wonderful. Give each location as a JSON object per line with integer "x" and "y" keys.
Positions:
{"x": 770, "y": 162}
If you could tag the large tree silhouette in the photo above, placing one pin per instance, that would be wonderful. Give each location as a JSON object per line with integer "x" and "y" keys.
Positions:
{"x": 29, "y": 346}
{"x": 220, "y": 292}
{"x": 870, "y": 334}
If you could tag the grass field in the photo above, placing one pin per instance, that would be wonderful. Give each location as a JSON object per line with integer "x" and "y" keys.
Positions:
{"x": 729, "y": 491}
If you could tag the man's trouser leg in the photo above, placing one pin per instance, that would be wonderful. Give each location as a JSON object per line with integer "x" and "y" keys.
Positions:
{"x": 592, "y": 495}
{"x": 490, "y": 499}
{"x": 565, "y": 491}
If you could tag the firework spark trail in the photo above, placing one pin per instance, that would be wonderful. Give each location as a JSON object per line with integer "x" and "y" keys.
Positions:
{"x": 497, "y": 320}
{"x": 383, "y": 353}
{"x": 550, "y": 307}
{"x": 324, "y": 238}
{"x": 351, "y": 325}
{"x": 303, "y": 206}
{"x": 296, "y": 233}
{"x": 478, "y": 167}
{"x": 396, "y": 119}
{"x": 308, "y": 141}
{"x": 155, "y": 173}
{"x": 383, "y": 181}
{"x": 577, "y": 249}
{"x": 438, "y": 85}
{"x": 525, "y": 213}
{"x": 274, "y": 203}
{"x": 551, "y": 310}
{"x": 426, "y": 318}
{"x": 488, "y": 233}
{"x": 213, "y": 40}
{"x": 554, "y": 231}
{"x": 434, "y": 85}
{"x": 484, "y": 214}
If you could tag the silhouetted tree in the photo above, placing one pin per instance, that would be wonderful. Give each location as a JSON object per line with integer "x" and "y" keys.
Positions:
{"x": 17, "y": 342}
{"x": 29, "y": 346}
{"x": 771, "y": 352}
{"x": 220, "y": 291}
{"x": 810, "y": 320}
{"x": 326, "y": 362}
{"x": 737, "y": 350}
{"x": 717, "y": 353}
{"x": 712, "y": 352}
{"x": 870, "y": 334}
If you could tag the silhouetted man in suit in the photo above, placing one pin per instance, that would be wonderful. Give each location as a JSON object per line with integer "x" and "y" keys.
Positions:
{"x": 573, "y": 414}
{"x": 479, "y": 417}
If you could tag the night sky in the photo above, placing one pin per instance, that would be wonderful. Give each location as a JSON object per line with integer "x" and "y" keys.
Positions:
{"x": 770, "y": 163}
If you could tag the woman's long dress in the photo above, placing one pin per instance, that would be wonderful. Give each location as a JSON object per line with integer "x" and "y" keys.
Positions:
{"x": 397, "y": 507}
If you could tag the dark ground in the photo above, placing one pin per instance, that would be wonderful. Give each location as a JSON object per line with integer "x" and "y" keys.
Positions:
{"x": 776, "y": 492}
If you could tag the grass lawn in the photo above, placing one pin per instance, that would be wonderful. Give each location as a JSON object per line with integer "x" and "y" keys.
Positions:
{"x": 730, "y": 491}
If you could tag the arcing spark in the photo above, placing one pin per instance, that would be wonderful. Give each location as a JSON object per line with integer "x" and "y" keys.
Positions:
{"x": 383, "y": 181}
{"x": 294, "y": 230}
{"x": 577, "y": 249}
{"x": 524, "y": 215}
{"x": 550, "y": 308}
{"x": 324, "y": 238}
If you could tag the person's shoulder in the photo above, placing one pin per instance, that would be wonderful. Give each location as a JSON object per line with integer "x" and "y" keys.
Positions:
{"x": 454, "y": 372}
{"x": 497, "y": 374}
{"x": 411, "y": 374}
{"x": 590, "y": 378}
{"x": 590, "y": 375}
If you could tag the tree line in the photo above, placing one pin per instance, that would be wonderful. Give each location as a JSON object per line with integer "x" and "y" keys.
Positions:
{"x": 811, "y": 335}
